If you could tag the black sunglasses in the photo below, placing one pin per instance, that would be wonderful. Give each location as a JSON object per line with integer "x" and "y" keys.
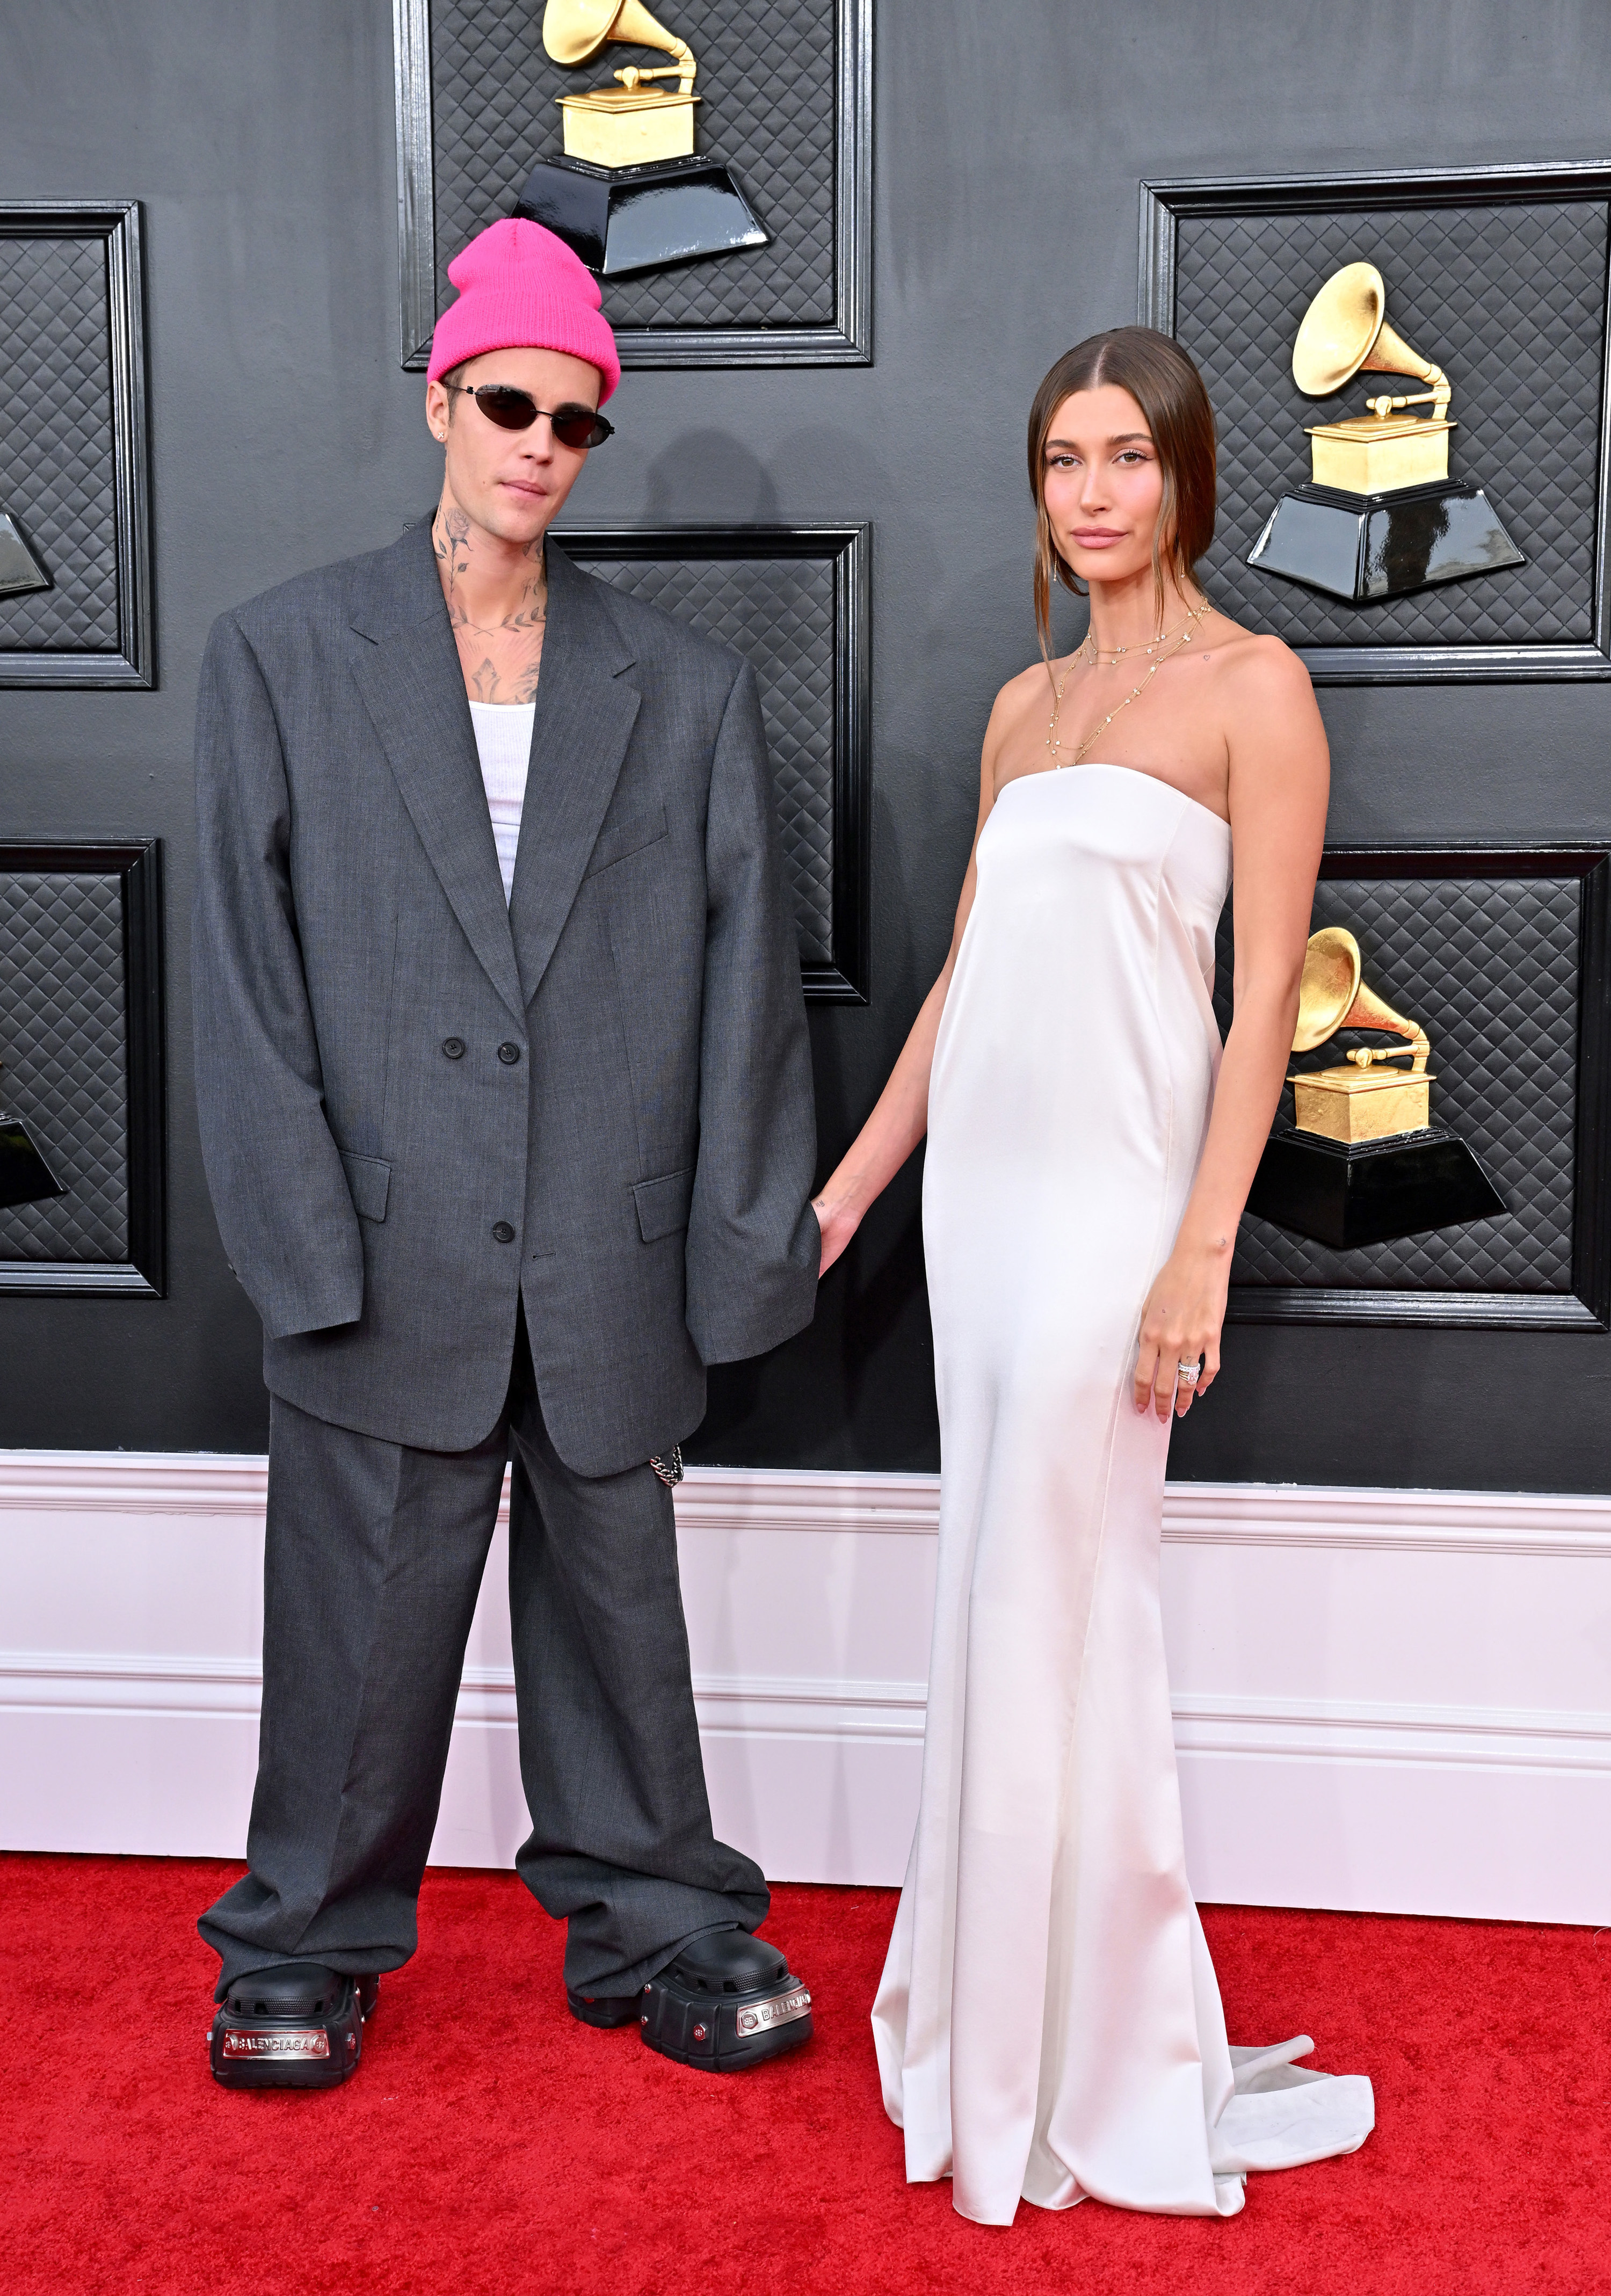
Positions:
{"x": 517, "y": 410}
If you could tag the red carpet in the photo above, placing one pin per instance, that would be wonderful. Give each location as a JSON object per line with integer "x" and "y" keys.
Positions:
{"x": 490, "y": 2143}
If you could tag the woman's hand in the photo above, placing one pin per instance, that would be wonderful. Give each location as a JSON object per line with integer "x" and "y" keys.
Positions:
{"x": 838, "y": 1224}
{"x": 1181, "y": 1325}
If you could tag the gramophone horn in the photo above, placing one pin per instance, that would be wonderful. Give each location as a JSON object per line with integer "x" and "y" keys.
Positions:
{"x": 1330, "y": 983}
{"x": 573, "y": 30}
{"x": 1332, "y": 996}
{"x": 1345, "y": 329}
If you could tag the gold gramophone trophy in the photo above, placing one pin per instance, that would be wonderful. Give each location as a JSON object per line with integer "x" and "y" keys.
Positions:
{"x": 1365, "y": 1163}
{"x": 1381, "y": 515}
{"x": 629, "y": 195}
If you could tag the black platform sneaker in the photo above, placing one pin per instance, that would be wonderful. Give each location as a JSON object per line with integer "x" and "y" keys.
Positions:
{"x": 726, "y": 2002}
{"x": 297, "y": 2026}
{"x": 605, "y": 2009}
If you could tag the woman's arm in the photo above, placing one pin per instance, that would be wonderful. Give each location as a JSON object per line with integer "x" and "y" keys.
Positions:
{"x": 901, "y": 1116}
{"x": 1279, "y": 778}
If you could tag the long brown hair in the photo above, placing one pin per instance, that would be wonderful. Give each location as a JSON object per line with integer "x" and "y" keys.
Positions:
{"x": 1166, "y": 386}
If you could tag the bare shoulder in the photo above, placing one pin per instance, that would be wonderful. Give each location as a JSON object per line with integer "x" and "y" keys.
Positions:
{"x": 1020, "y": 702}
{"x": 1021, "y": 694}
{"x": 1261, "y": 669}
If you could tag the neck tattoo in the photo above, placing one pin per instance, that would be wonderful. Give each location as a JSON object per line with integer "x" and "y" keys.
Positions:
{"x": 500, "y": 637}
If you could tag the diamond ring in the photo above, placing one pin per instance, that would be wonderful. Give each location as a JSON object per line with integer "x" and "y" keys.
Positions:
{"x": 1188, "y": 1374}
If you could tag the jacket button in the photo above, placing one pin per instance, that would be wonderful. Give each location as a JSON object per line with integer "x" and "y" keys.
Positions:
{"x": 508, "y": 1054}
{"x": 502, "y": 1232}
{"x": 454, "y": 1046}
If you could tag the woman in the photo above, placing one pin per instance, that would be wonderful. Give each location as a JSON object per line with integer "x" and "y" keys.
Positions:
{"x": 1048, "y": 2025}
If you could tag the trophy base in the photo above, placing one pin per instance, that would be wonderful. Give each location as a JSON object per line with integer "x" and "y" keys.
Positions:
{"x": 1352, "y": 1104}
{"x": 628, "y": 128}
{"x": 20, "y": 570}
{"x": 1368, "y": 456}
{"x": 623, "y": 219}
{"x": 1370, "y": 1190}
{"x": 25, "y": 1176}
{"x": 1381, "y": 545}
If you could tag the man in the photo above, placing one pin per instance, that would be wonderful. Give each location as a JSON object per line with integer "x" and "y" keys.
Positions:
{"x": 505, "y": 1103}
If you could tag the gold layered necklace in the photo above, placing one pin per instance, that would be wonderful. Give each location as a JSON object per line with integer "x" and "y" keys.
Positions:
{"x": 1161, "y": 648}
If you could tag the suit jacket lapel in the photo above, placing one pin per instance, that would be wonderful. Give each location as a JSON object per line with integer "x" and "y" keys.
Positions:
{"x": 408, "y": 673}
{"x": 584, "y": 718}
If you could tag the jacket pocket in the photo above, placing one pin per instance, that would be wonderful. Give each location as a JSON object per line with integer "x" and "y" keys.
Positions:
{"x": 662, "y": 1205}
{"x": 620, "y": 839}
{"x": 370, "y": 1182}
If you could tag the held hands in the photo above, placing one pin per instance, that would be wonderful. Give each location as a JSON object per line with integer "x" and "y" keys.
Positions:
{"x": 838, "y": 1224}
{"x": 1180, "y": 1325}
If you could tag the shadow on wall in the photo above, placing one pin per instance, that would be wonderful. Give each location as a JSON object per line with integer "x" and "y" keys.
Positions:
{"x": 705, "y": 468}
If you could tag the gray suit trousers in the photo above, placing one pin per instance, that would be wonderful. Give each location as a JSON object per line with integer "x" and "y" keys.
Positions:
{"x": 374, "y": 1557}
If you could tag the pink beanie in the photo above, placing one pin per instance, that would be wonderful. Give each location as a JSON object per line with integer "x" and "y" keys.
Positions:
{"x": 520, "y": 287}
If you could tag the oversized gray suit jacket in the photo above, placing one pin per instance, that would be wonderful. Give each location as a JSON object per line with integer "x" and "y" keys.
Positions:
{"x": 419, "y": 1105}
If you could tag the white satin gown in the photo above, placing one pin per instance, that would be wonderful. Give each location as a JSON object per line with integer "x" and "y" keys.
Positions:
{"x": 1048, "y": 2025}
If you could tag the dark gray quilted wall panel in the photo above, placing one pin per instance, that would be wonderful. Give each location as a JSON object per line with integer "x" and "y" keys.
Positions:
{"x": 63, "y": 1040}
{"x": 766, "y": 81}
{"x": 1489, "y": 966}
{"x": 778, "y": 612}
{"x": 1510, "y": 301}
{"x": 56, "y": 442}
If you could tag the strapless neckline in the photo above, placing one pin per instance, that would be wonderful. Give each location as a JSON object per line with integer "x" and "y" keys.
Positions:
{"x": 1100, "y": 766}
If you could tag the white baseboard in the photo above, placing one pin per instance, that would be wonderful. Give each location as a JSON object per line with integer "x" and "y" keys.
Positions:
{"x": 1385, "y": 1699}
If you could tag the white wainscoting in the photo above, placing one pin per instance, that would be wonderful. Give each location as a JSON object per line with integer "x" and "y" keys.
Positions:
{"x": 1396, "y": 1701}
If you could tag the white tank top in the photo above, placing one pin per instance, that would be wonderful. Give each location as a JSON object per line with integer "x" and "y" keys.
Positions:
{"x": 503, "y": 738}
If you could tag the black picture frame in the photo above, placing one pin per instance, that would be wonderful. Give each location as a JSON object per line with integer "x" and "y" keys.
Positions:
{"x": 844, "y": 978}
{"x": 1163, "y": 205}
{"x": 115, "y": 223}
{"x": 845, "y": 340}
{"x": 1587, "y": 1307}
{"x": 137, "y": 864}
